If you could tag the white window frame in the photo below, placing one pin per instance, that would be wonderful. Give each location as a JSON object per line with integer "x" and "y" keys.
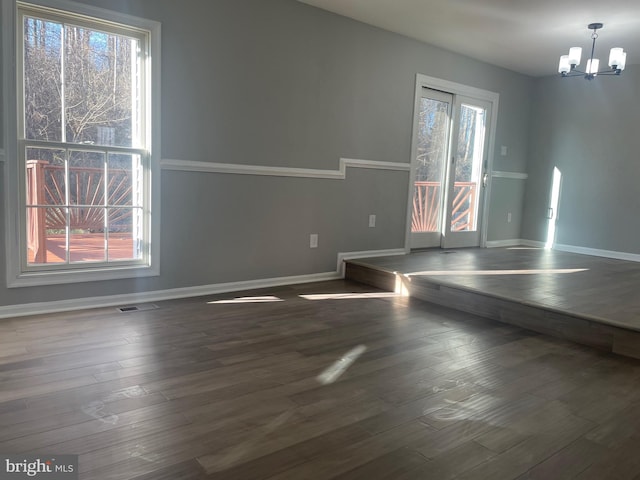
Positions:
{"x": 19, "y": 274}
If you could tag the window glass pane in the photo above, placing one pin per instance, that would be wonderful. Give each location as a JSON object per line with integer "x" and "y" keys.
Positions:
{"x": 45, "y": 242}
{"x": 124, "y": 236}
{"x": 45, "y": 176}
{"x": 100, "y": 90}
{"x": 124, "y": 180}
{"x": 87, "y": 235}
{"x": 86, "y": 179}
{"x": 431, "y": 160}
{"x": 42, "y": 79}
{"x": 468, "y": 174}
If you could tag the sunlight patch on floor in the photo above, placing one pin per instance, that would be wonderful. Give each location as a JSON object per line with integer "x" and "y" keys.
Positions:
{"x": 264, "y": 299}
{"x": 348, "y": 296}
{"x": 497, "y": 272}
{"x": 337, "y": 368}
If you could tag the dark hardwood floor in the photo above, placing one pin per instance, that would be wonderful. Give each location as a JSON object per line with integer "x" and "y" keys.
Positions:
{"x": 329, "y": 380}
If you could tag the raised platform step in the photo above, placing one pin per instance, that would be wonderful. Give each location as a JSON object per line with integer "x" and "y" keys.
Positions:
{"x": 607, "y": 334}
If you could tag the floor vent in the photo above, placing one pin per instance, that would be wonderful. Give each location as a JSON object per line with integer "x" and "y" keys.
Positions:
{"x": 445, "y": 252}
{"x": 137, "y": 308}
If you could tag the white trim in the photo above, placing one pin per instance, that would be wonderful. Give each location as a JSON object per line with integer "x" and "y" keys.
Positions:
{"x": 513, "y": 242}
{"x": 91, "y": 11}
{"x": 10, "y": 136}
{"x": 360, "y": 163}
{"x": 596, "y": 252}
{"x": 158, "y": 295}
{"x": 532, "y": 243}
{"x": 37, "y": 308}
{"x": 154, "y": 132}
{"x": 343, "y": 256}
{"x": 238, "y": 169}
{"x": 512, "y": 175}
{"x": 58, "y": 277}
{"x": 455, "y": 88}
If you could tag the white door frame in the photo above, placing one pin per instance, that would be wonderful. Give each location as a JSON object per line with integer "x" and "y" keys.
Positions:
{"x": 455, "y": 89}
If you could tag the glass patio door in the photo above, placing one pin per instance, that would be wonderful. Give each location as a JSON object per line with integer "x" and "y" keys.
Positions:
{"x": 450, "y": 166}
{"x": 432, "y": 151}
{"x": 466, "y": 174}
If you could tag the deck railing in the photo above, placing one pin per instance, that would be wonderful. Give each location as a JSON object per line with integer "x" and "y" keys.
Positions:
{"x": 46, "y": 190}
{"x": 426, "y": 206}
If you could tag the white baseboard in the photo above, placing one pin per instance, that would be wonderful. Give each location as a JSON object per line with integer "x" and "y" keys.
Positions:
{"x": 38, "y": 308}
{"x": 532, "y": 243}
{"x": 630, "y": 257}
{"x": 158, "y": 295}
{"x": 366, "y": 254}
{"x": 513, "y": 242}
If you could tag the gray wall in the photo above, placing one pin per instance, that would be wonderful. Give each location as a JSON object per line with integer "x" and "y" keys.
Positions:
{"x": 589, "y": 131}
{"x": 507, "y": 197}
{"x": 280, "y": 83}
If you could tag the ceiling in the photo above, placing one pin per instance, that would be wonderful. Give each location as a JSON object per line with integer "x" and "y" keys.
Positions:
{"x": 527, "y": 36}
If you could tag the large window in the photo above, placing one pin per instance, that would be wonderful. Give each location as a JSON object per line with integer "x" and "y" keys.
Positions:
{"x": 83, "y": 146}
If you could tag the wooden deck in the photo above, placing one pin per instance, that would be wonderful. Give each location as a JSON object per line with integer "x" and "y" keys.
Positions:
{"x": 590, "y": 300}
{"x": 88, "y": 247}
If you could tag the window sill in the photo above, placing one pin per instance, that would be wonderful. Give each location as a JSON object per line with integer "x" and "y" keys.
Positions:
{"x": 34, "y": 279}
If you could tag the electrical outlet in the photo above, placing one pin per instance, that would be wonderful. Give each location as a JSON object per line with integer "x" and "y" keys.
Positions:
{"x": 313, "y": 240}
{"x": 372, "y": 221}
{"x": 509, "y": 217}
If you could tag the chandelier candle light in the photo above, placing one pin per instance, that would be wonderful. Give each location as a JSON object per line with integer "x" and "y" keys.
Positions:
{"x": 568, "y": 63}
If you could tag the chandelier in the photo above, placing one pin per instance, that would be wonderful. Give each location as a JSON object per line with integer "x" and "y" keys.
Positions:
{"x": 568, "y": 63}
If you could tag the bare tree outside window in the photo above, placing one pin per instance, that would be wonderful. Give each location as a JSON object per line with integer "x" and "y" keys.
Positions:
{"x": 432, "y": 134}
{"x": 86, "y": 72}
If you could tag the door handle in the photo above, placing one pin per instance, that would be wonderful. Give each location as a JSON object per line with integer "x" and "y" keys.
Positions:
{"x": 485, "y": 179}
{"x": 550, "y": 213}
